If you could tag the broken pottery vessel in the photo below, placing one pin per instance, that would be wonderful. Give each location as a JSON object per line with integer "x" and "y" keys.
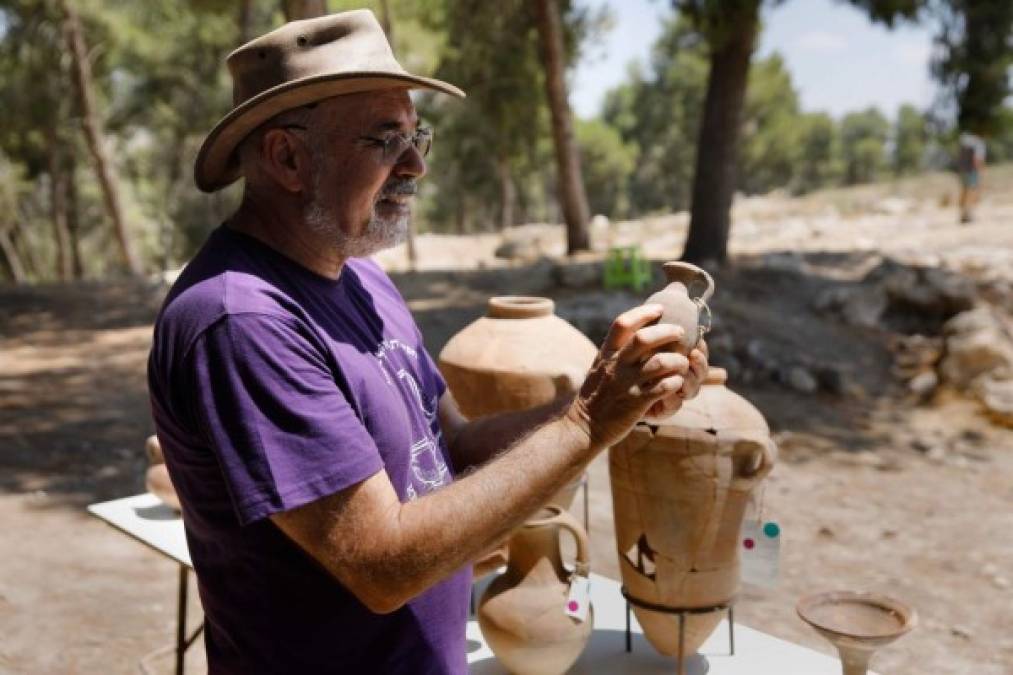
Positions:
{"x": 680, "y": 491}
{"x": 518, "y": 356}
{"x": 156, "y": 480}
{"x": 685, "y": 299}
{"x": 522, "y": 612}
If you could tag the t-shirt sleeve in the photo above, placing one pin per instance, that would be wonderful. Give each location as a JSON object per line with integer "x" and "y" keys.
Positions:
{"x": 268, "y": 405}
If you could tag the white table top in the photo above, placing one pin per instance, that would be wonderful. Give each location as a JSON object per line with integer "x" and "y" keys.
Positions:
{"x": 756, "y": 653}
{"x": 145, "y": 518}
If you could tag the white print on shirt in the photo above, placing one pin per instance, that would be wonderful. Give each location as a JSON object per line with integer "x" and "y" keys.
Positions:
{"x": 427, "y": 469}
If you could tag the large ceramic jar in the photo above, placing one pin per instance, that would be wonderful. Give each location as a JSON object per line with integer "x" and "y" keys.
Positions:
{"x": 519, "y": 355}
{"x": 522, "y": 613}
{"x": 679, "y": 492}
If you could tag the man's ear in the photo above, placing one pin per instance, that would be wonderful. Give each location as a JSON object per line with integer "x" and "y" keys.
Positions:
{"x": 286, "y": 160}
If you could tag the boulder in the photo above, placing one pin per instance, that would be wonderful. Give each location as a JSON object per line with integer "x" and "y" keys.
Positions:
{"x": 977, "y": 345}
{"x": 997, "y": 397}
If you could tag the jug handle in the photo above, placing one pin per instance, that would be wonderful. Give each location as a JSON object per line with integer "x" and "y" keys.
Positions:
{"x": 689, "y": 274}
{"x": 745, "y": 444}
{"x": 582, "y": 565}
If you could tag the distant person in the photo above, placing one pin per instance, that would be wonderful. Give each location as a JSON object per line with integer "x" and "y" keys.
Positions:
{"x": 970, "y": 166}
{"x": 333, "y": 495}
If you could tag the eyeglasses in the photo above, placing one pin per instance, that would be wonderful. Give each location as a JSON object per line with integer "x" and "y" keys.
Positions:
{"x": 395, "y": 144}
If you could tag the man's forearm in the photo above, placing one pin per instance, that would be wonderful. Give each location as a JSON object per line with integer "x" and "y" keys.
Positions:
{"x": 484, "y": 438}
{"x": 444, "y": 530}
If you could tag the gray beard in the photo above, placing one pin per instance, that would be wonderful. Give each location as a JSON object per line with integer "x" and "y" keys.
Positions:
{"x": 380, "y": 233}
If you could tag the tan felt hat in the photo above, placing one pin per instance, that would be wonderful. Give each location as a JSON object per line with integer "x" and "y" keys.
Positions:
{"x": 297, "y": 64}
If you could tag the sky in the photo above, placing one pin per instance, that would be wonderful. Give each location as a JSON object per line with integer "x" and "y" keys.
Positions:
{"x": 839, "y": 61}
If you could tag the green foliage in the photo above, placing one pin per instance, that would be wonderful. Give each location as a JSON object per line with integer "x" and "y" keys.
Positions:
{"x": 889, "y": 12}
{"x": 975, "y": 58}
{"x": 607, "y": 163}
{"x": 769, "y": 152}
{"x": 864, "y": 136}
{"x": 910, "y": 140}
{"x": 657, "y": 113}
{"x": 820, "y": 163}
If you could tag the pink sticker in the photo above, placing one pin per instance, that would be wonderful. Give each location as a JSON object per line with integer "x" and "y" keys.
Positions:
{"x": 573, "y": 606}
{"x": 748, "y": 543}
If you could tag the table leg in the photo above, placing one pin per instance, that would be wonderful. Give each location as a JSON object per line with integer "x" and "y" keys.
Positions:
{"x": 181, "y": 619}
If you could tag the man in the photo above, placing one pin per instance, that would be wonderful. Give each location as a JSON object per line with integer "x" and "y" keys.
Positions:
{"x": 289, "y": 383}
{"x": 970, "y": 166}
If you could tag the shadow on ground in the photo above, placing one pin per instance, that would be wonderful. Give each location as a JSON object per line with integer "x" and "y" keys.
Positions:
{"x": 73, "y": 400}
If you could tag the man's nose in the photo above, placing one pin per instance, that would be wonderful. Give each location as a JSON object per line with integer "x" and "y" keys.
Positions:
{"x": 411, "y": 163}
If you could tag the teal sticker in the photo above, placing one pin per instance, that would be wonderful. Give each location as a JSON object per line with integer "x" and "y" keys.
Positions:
{"x": 771, "y": 530}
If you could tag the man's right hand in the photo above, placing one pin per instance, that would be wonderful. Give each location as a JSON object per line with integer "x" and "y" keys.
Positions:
{"x": 635, "y": 369}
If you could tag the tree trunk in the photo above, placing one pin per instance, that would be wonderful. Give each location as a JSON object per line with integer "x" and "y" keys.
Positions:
{"x": 303, "y": 9}
{"x": 73, "y": 224}
{"x": 58, "y": 207}
{"x": 714, "y": 180}
{"x": 104, "y": 169}
{"x": 387, "y": 21}
{"x": 245, "y": 21}
{"x": 11, "y": 259}
{"x": 570, "y": 184}
{"x": 507, "y": 193}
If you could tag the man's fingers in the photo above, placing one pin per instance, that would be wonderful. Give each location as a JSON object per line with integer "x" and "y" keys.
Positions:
{"x": 701, "y": 346}
{"x": 628, "y": 323}
{"x": 650, "y": 339}
{"x": 664, "y": 363}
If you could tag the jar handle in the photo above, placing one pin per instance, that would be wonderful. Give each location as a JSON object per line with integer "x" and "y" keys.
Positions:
{"x": 690, "y": 275}
{"x": 761, "y": 451}
{"x": 582, "y": 565}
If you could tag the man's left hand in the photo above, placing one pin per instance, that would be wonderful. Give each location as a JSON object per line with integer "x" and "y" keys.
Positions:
{"x": 695, "y": 377}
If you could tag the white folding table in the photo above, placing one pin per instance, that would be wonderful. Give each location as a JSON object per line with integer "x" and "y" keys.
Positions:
{"x": 146, "y": 519}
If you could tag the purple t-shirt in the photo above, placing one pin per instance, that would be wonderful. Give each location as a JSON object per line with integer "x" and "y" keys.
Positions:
{"x": 272, "y": 387}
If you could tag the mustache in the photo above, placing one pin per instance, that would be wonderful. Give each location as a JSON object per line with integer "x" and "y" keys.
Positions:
{"x": 401, "y": 186}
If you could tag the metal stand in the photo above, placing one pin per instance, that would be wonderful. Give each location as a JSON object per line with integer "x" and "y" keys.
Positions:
{"x": 682, "y": 612}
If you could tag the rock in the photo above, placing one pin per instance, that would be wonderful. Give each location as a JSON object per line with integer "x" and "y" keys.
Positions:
{"x": 784, "y": 261}
{"x": 800, "y": 379}
{"x": 893, "y": 206}
{"x": 976, "y": 344}
{"x": 924, "y": 384}
{"x": 997, "y": 397}
{"x": 519, "y": 249}
{"x": 961, "y": 632}
{"x": 860, "y": 306}
{"x": 833, "y": 379}
{"x": 921, "y": 298}
{"x": 913, "y": 354}
{"x": 937, "y": 453}
{"x": 1000, "y": 582}
{"x": 577, "y": 275}
{"x": 757, "y": 355}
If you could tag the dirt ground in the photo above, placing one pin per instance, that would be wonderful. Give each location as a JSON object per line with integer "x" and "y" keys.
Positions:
{"x": 860, "y": 505}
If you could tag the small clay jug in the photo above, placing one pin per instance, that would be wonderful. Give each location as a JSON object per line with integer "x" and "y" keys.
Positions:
{"x": 685, "y": 298}
{"x": 523, "y": 612}
{"x": 156, "y": 480}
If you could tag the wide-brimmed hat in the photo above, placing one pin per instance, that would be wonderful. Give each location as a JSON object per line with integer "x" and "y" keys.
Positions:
{"x": 298, "y": 64}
